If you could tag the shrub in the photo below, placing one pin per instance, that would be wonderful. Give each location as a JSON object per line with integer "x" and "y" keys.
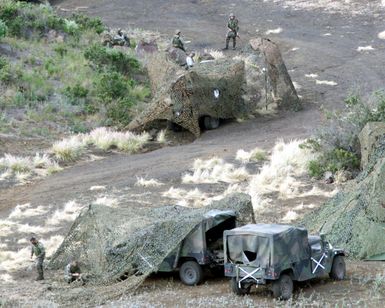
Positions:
{"x": 337, "y": 141}
{"x": 111, "y": 86}
{"x": 119, "y": 111}
{"x": 76, "y": 94}
{"x": 103, "y": 58}
{"x": 88, "y": 23}
{"x": 3, "y": 29}
{"x": 6, "y": 74}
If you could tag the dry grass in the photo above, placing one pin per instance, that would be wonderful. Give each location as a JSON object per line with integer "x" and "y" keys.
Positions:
{"x": 67, "y": 214}
{"x": 326, "y": 82}
{"x": 189, "y": 198}
{"x": 161, "y": 137}
{"x": 147, "y": 183}
{"x": 104, "y": 138}
{"x": 216, "y": 54}
{"x": 274, "y": 31}
{"x": 24, "y": 211}
{"x": 107, "y": 201}
{"x": 288, "y": 162}
{"x": 254, "y": 155}
{"x": 215, "y": 170}
{"x": 16, "y": 164}
{"x": 69, "y": 149}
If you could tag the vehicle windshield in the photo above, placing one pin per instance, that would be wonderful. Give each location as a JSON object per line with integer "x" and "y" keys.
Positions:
{"x": 248, "y": 249}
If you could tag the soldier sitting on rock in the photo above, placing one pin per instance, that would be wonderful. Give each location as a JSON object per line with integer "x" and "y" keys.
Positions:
{"x": 121, "y": 39}
{"x": 177, "y": 41}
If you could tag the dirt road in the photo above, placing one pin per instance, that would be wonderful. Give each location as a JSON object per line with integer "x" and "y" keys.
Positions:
{"x": 327, "y": 53}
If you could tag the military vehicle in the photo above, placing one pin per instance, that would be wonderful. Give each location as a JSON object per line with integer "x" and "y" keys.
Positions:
{"x": 276, "y": 255}
{"x": 202, "y": 248}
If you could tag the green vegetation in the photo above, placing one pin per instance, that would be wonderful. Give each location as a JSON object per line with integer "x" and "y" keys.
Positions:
{"x": 57, "y": 74}
{"x": 337, "y": 141}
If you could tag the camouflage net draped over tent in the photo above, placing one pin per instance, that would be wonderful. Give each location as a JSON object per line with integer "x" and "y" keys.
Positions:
{"x": 355, "y": 218}
{"x": 133, "y": 242}
{"x": 224, "y": 89}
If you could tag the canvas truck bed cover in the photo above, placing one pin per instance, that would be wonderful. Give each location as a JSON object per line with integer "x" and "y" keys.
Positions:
{"x": 273, "y": 244}
{"x": 132, "y": 241}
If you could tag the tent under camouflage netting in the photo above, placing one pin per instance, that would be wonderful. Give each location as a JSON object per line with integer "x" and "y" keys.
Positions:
{"x": 355, "y": 218}
{"x": 132, "y": 242}
{"x": 224, "y": 88}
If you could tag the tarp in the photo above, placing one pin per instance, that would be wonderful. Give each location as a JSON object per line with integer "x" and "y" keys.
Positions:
{"x": 131, "y": 242}
{"x": 272, "y": 244}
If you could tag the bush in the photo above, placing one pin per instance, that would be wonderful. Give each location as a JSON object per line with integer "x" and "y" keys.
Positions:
{"x": 3, "y": 29}
{"x": 337, "y": 141}
{"x": 119, "y": 112}
{"x": 111, "y": 86}
{"x": 111, "y": 59}
{"x": 88, "y": 23}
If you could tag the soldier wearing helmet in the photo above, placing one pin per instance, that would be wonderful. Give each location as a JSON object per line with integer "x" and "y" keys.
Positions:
{"x": 232, "y": 32}
{"x": 177, "y": 41}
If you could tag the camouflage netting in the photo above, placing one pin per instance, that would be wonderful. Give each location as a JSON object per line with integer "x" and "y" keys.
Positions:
{"x": 224, "y": 88}
{"x": 133, "y": 242}
{"x": 355, "y": 218}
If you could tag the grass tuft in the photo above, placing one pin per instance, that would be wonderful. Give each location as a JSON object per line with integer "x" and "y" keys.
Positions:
{"x": 69, "y": 149}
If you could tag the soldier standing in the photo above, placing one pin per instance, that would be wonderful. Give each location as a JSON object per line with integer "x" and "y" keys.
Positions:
{"x": 177, "y": 41}
{"x": 232, "y": 32}
{"x": 39, "y": 251}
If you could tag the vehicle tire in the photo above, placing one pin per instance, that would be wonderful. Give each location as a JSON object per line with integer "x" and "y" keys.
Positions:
{"x": 283, "y": 287}
{"x": 338, "y": 271}
{"x": 191, "y": 273}
{"x": 210, "y": 122}
{"x": 235, "y": 287}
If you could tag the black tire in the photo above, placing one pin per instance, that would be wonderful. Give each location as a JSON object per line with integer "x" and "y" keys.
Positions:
{"x": 338, "y": 271}
{"x": 210, "y": 122}
{"x": 191, "y": 273}
{"x": 239, "y": 291}
{"x": 283, "y": 287}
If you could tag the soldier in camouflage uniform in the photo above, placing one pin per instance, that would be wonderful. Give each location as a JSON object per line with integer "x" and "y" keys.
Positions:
{"x": 39, "y": 251}
{"x": 73, "y": 273}
{"x": 232, "y": 32}
{"x": 177, "y": 41}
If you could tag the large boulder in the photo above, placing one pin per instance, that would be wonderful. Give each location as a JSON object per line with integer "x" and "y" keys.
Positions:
{"x": 282, "y": 88}
{"x": 355, "y": 218}
{"x": 369, "y": 138}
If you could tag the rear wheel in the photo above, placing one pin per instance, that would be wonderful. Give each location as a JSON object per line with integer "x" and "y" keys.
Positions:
{"x": 191, "y": 273}
{"x": 210, "y": 122}
{"x": 338, "y": 271}
{"x": 239, "y": 290}
{"x": 283, "y": 287}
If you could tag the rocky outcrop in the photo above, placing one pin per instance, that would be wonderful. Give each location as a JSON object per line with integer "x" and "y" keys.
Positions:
{"x": 369, "y": 138}
{"x": 282, "y": 88}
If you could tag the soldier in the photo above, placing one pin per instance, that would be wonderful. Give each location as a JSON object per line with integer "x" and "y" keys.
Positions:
{"x": 39, "y": 251}
{"x": 177, "y": 41}
{"x": 72, "y": 272}
{"x": 232, "y": 32}
{"x": 121, "y": 39}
